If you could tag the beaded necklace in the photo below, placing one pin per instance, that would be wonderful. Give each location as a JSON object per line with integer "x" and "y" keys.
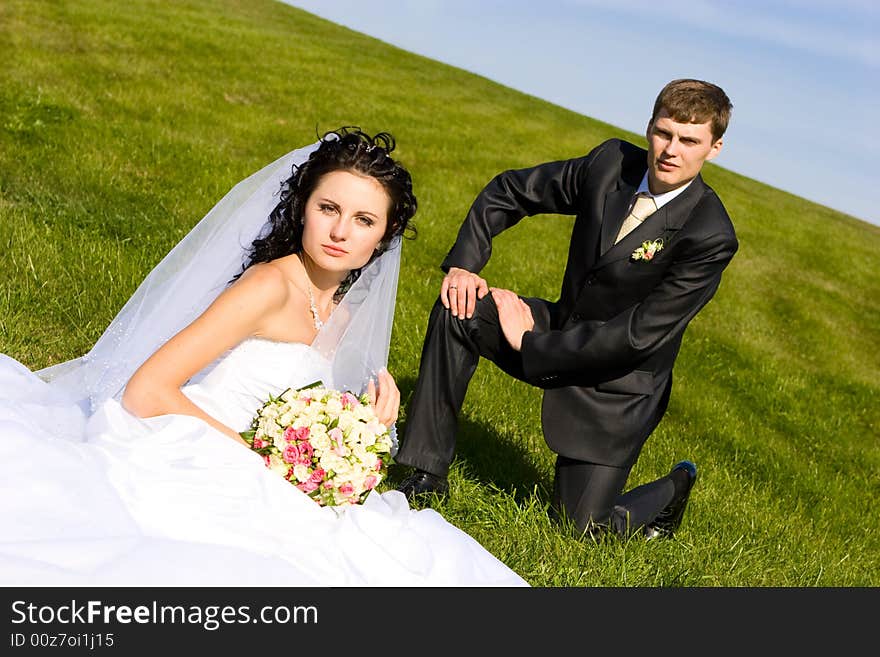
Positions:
{"x": 316, "y": 318}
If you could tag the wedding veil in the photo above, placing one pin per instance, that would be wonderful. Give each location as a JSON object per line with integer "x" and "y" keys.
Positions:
{"x": 355, "y": 339}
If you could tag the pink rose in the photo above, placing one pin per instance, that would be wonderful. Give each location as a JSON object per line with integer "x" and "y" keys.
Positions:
{"x": 318, "y": 476}
{"x": 307, "y": 486}
{"x": 349, "y": 400}
{"x": 378, "y": 465}
{"x": 346, "y": 489}
{"x": 291, "y": 434}
{"x": 299, "y": 452}
{"x": 370, "y": 482}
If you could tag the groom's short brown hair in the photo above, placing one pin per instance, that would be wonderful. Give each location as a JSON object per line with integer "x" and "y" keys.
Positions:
{"x": 695, "y": 101}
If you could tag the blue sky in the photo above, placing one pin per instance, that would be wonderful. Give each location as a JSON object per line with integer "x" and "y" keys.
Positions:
{"x": 802, "y": 74}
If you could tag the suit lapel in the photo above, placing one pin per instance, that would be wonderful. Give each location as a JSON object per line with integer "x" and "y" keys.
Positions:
{"x": 616, "y": 205}
{"x": 663, "y": 224}
{"x": 653, "y": 227}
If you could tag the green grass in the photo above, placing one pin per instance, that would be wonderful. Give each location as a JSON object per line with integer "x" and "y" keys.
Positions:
{"x": 122, "y": 123}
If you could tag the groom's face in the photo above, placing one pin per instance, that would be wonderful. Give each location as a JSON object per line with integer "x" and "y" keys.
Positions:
{"x": 677, "y": 151}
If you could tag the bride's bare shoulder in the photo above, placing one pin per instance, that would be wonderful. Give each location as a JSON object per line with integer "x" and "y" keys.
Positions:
{"x": 265, "y": 283}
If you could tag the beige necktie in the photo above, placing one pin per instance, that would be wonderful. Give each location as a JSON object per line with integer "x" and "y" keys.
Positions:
{"x": 643, "y": 207}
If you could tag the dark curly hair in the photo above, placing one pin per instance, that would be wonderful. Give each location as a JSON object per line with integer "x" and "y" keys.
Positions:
{"x": 344, "y": 149}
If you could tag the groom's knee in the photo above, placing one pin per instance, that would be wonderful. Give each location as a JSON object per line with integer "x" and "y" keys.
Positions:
{"x": 485, "y": 312}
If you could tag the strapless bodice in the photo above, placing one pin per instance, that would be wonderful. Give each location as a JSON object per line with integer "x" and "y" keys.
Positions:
{"x": 234, "y": 386}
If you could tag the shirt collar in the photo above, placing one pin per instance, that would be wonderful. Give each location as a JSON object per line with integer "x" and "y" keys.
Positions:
{"x": 661, "y": 199}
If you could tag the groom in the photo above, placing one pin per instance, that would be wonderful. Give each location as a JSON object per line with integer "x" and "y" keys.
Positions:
{"x": 649, "y": 244}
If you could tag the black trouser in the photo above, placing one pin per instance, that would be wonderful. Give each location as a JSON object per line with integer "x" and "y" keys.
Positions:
{"x": 586, "y": 493}
{"x": 589, "y": 495}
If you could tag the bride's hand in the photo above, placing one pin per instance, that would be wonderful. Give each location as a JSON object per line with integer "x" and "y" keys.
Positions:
{"x": 385, "y": 401}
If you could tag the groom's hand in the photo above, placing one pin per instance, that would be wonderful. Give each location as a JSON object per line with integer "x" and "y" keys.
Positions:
{"x": 514, "y": 315}
{"x": 460, "y": 290}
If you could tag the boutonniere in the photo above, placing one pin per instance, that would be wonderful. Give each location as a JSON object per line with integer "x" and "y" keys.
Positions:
{"x": 647, "y": 250}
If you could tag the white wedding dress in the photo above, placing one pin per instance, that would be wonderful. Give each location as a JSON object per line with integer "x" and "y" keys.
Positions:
{"x": 113, "y": 500}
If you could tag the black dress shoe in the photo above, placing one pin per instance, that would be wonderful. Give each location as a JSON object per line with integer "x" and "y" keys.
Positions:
{"x": 669, "y": 520}
{"x": 424, "y": 483}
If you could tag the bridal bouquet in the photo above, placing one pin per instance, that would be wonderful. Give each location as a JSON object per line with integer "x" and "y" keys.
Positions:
{"x": 327, "y": 443}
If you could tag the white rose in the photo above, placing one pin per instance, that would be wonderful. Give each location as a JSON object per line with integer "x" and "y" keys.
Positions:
{"x": 341, "y": 466}
{"x": 351, "y": 435}
{"x": 277, "y": 465}
{"x": 368, "y": 437}
{"x": 364, "y": 413}
{"x": 270, "y": 412}
{"x": 333, "y": 407}
{"x": 376, "y": 427}
{"x": 329, "y": 460}
{"x": 267, "y": 426}
{"x": 369, "y": 459}
{"x": 321, "y": 442}
{"x": 301, "y": 472}
{"x": 384, "y": 442}
{"x": 346, "y": 420}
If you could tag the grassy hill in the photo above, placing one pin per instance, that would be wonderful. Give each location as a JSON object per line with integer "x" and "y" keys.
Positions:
{"x": 121, "y": 124}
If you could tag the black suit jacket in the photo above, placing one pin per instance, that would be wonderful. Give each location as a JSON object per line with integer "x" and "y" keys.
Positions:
{"x": 604, "y": 351}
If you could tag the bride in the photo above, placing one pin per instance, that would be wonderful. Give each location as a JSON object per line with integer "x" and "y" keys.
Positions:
{"x": 125, "y": 467}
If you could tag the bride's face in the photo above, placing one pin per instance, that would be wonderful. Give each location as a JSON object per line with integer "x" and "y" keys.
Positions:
{"x": 345, "y": 219}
